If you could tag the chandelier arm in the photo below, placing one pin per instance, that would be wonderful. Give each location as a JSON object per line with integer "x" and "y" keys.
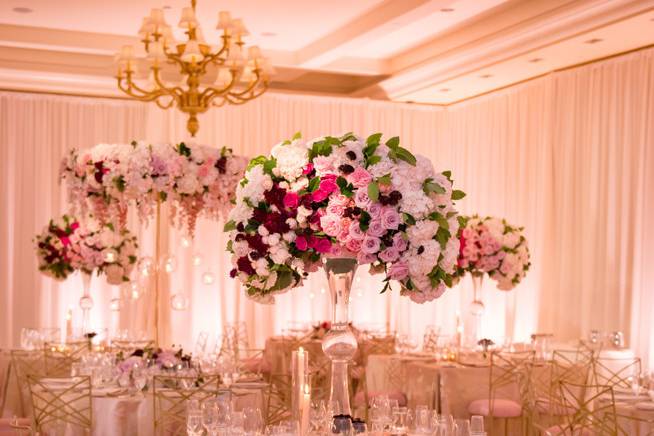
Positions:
{"x": 165, "y": 106}
{"x": 216, "y": 56}
{"x": 130, "y": 89}
{"x": 250, "y": 87}
{"x": 241, "y": 99}
{"x": 210, "y": 93}
{"x": 176, "y": 92}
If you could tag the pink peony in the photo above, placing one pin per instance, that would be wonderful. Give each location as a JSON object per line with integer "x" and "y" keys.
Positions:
{"x": 370, "y": 244}
{"x": 364, "y": 258}
{"x": 331, "y": 224}
{"x": 354, "y": 245}
{"x": 390, "y": 218}
{"x": 291, "y": 200}
{"x": 360, "y": 178}
{"x": 398, "y": 271}
{"x": 323, "y": 164}
{"x": 376, "y": 228}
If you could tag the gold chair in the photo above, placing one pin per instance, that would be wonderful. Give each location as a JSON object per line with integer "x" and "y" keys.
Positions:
{"x": 546, "y": 407}
{"x": 171, "y": 393}
{"x": 61, "y": 401}
{"x": 278, "y": 405}
{"x": 632, "y": 425}
{"x": 615, "y": 372}
{"x": 59, "y": 358}
{"x": 509, "y": 376}
{"x": 592, "y": 411}
{"x": 22, "y": 364}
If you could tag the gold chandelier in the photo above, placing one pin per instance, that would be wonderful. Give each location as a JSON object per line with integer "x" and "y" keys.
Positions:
{"x": 238, "y": 79}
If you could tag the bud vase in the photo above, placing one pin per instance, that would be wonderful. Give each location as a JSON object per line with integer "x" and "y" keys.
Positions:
{"x": 340, "y": 343}
{"x": 477, "y": 306}
{"x": 86, "y": 302}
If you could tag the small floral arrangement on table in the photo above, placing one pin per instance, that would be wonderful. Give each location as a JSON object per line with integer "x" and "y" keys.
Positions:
{"x": 67, "y": 245}
{"x": 320, "y": 330}
{"x": 492, "y": 246}
{"x": 165, "y": 360}
{"x": 53, "y": 247}
{"x": 194, "y": 179}
{"x": 344, "y": 197}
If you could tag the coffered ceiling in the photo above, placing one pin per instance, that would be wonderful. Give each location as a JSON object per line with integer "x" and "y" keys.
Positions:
{"x": 424, "y": 51}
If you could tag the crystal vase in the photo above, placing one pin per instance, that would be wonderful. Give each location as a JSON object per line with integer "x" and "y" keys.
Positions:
{"x": 477, "y": 306}
{"x": 340, "y": 344}
{"x": 86, "y": 302}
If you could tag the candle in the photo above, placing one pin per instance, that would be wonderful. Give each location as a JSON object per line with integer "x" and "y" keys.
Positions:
{"x": 299, "y": 371}
{"x": 459, "y": 329}
{"x": 69, "y": 324}
{"x": 305, "y": 409}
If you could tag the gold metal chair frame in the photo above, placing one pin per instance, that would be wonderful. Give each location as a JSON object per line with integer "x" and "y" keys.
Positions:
{"x": 603, "y": 375}
{"x": 59, "y": 358}
{"x": 22, "y": 363}
{"x": 278, "y": 405}
{"x": 170, "y": 398}
{"x": 590, "y": 414}
{"x": 71, "y": 403}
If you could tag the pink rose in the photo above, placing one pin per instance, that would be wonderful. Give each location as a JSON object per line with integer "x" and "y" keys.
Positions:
{"x": 323, "y": 245}
{"x": 375, "y": 228}
{"x": 361, "y": 199}
{"x": 301, "y": 243}
{"x": 398, "y": 271}
{"x": 331, "y": 224}
{"x": 375, "y": 210}
{"x": 340, "y": 200}
{"x": 360, "y": 178}
{"x": 389, "y": 255}
{"x": 364, "y": 258}
{"x": 370, "y": 244}
{"x": 399, "y": 242}
{"x": 327, "y": 186}
{"x": 354, "y": 245}
{"x": 355, "y": 231}
{"x": 345, "y": 230}
{"x": 334, "y": 209}
{"x": 390, "y": 218}
{"x": 308, "y": 169}
{"x": 291, "y": 200}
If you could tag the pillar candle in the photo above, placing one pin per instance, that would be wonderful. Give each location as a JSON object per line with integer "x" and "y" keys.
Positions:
{"x": 306, "y": 409}
{"x": 69, "y": 324}
{"x": 299, "y": 371}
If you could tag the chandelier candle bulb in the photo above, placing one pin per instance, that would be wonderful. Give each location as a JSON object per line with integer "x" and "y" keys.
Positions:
{"x": 224, "y": 78}
{"x": 254, "y": 53}
{"x": 146, "y": 29}
{"x": 157, "y": 17}
{"x": 224, "y": 20}
{"x": 192, "y": 52}
{"x": 188, "y": 20}
{"x": 126, "y": 53}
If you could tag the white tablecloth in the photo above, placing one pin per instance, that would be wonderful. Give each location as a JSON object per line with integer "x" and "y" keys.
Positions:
{"x": 123, "y": 416}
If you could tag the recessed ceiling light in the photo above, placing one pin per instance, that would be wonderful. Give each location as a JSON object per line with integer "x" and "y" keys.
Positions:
{"x": 447, "y": 10}
{"x": 22, "y": 10}
{"x": 535, "y": 60}
{"x": 594, "y": 41}
{"x": 486, "y": 76}
{"x": 166, "y": 7}
{"x": 444, "y": 90}
{"x": 268, "y": 34}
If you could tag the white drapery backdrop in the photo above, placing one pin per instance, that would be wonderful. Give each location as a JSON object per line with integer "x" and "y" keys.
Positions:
{"x": 570, "y": 156}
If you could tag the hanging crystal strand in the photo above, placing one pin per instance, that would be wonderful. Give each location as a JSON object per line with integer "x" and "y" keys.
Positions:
{"x": 340, "y": 344}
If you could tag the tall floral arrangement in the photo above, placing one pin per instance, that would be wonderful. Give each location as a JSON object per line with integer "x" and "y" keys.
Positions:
{"x": 67, "y": 245}
{"x": 345, "y": 197}
{"x": 491, "y": 246}
{"x": 194, "y": 179}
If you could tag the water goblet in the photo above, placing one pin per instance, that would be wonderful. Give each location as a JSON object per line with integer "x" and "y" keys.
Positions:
{"x": 194, "y": 422}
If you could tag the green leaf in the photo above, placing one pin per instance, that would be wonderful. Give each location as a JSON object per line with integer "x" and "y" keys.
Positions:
{"x": 430, "y": 186}
{"x": 183, "y": 150}
{"x": 132, "y": 259}
{"x": 457, "y": 194}
{"x": 313, "y": 184}
{"x": 394, "y": 142}
{"x": 229, "y": 246}
{"x": 440, "y": 219}
{"x": 297, "y": 135}
{"x": 364, "y": 221}
{"x": 372, "y": 160}
{"x": 349, "y": 136}
{"x": 386, "y": 287}
{"x": 347, "y": 189}
{"x": 442, "y": 236}
{"x": 120, "y": 183}
{"x": 374, "y": 139}
{"x": 229, "y": 226}
{"x": 163, "y": 196}
{"x": 373, "y": 191}
{"x": 259, "y": 160}
{"x": 447, "y": 173}
{"x": 384, "y": 180}
{"x": 284, "y": 280}
{"x": 268, "y": 165}
{"x": 406, "y": 156}
{"x": 408, "y": 219}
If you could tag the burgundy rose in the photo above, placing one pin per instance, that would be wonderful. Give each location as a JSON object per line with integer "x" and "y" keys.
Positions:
{"x": 245, "y": 266}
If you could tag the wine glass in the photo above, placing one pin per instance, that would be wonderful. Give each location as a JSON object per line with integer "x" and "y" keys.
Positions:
{"x": 210, "y": 416}
{"x": 252, "y": 421}
{"x": 140, "y": 380}
{"x": 462, "y": 427}
{"x": 194, "y": 422}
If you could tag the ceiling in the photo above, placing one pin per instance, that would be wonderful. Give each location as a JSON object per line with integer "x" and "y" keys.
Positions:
{"x": 423, "y": 51}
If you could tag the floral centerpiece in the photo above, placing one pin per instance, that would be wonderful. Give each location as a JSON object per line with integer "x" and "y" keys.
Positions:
{"x": 344, "y": 197}
{"x": 53, "y": 247}
{"x": 194, "y": 179}
{"x": 492, "y": 246}
{"x": 165, "y": 360}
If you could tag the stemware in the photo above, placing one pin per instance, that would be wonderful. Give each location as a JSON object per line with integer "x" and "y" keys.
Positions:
{"x": 252, "y": 421}
{"x": 477, "y": 425}
{"x": 194, "y": 422}
{"x": 461, "y": 427}
{"x": 140, "y": 380}
{"x": 398, "y": 425}
{"x": 210, "y": 416}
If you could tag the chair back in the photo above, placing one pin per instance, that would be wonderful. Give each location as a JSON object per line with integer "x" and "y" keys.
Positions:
{"x": 615, "y": 371}
{"x": 592, "y": 409}
{"x": 278, "y": 407}
{"x": 171, "y": 394}
{"x": 24, "y": 363}
{"x": 59, "y": 402}
{"x": 59, "y": 358}
{"x": 376, "y": 345}
{"x": 509, "y": 375}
